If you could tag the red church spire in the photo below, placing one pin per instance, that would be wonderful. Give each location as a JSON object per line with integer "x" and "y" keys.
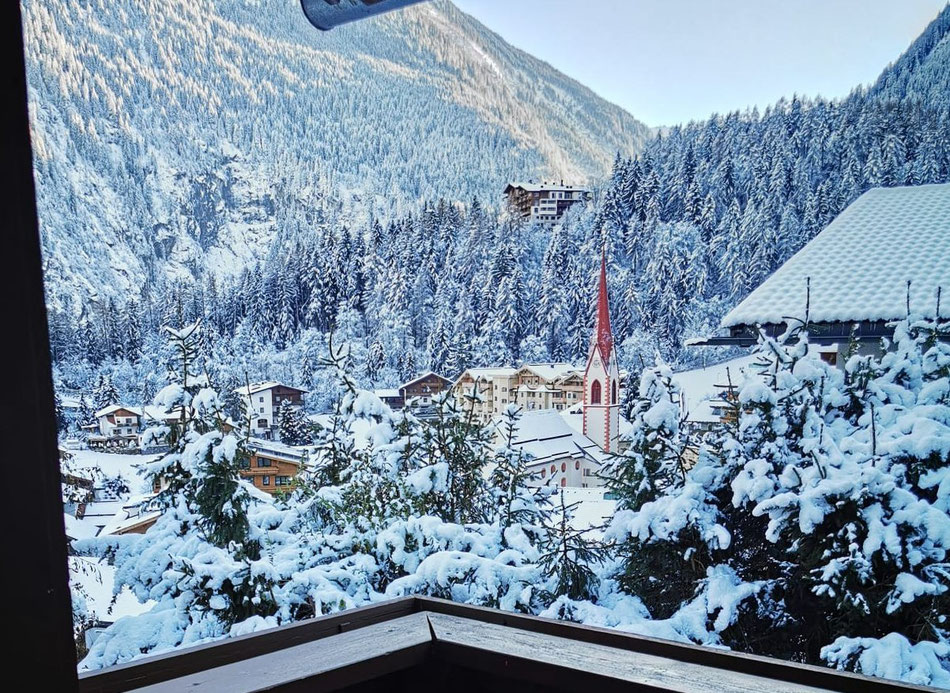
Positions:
{"x": 603, "y": 337}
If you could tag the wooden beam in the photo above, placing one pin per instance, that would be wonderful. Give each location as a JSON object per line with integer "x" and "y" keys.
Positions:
{"x": 151, "y": 670}
{"x": 568, "y": 664}
{"x": 36, "y": 579}
{"x": 777, "y": 670}
{"x": 347, "y": 659}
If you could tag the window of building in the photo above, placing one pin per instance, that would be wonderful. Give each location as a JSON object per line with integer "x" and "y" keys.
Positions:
{"x": 263, "y": 462}
{"x": 613, "y": 392}
{"x": 553, "y": 469}
{"x": 265, "y": 480}
{"x": 563, "y": 481}
{"x": 577, "y": 464}
{"x": 544, "y": 473}
{"x": 595, "y": 392}
{"x": 563, "y": 466}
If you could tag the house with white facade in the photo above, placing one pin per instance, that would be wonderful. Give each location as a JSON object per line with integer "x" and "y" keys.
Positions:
{"x": 121, "y": 426}
{"x": 262, "y": 403}
{"x": 559, "y": 454}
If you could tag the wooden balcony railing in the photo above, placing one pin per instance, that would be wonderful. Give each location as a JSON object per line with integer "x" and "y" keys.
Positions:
{"x": 424, "y": 644}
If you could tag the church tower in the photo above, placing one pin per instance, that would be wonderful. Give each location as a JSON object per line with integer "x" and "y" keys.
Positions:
{"x": 602, "y": 376}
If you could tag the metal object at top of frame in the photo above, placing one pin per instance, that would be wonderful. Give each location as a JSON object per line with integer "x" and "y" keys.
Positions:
{"x": 326, "y": 14}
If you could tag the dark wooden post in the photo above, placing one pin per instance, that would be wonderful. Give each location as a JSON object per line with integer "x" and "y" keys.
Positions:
{"x": 36, "y": 595}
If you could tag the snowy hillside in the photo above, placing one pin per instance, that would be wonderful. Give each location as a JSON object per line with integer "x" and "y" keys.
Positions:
{"x": 175, "y": 136}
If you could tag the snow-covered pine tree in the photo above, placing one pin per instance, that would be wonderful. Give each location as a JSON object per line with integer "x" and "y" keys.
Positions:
{"x": 569, "y": 556}
{"x": 660, "y": 561}
{"x": 292, "y": 426}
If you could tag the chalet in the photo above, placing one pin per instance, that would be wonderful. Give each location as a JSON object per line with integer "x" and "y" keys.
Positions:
{"x": 544, "y": 203}
{"x": 116, "y": 426}
{"x": 262, "y": 402}
{"x": 887, "y": 254}
{"x": 420, "y": 391}
{"x": 423, "y": 388}
{"x": 272, "y": 466}
{"x": 560, "y": 455}
{"x": 120, "y": 426}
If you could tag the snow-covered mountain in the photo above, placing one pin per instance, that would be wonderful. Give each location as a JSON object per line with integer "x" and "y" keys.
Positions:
{"x": 177, "y": 135}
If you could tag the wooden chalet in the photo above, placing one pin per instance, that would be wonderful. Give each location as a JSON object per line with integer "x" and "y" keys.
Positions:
{"x": 272, "y": 466}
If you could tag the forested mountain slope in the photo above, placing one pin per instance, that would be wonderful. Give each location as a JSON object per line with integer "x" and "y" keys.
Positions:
{"x": 692, "y": 224}
{"x": 174, "y": 136}
{"x": 923, "y": 72}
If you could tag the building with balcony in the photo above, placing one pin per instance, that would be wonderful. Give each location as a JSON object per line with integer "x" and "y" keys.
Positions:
{"x": 543, "y": 203}
{"x": 273, "y": 466}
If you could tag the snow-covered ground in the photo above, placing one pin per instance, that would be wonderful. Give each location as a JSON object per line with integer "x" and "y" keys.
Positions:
{"x": 592, "y": 510}
{"x": 95, "y": 579}
{"x": 701, "y": 385}
{"x": 112, "y": 465}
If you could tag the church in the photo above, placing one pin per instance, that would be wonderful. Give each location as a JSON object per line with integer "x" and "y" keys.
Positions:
{"x": 568, "y": 448}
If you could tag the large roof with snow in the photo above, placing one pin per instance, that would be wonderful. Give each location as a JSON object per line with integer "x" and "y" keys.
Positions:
{"x": 546, "y": 436}
{"x": 858, "y": 267}
{"x": 254, "y": 388}
{"x": 550, "y": 371}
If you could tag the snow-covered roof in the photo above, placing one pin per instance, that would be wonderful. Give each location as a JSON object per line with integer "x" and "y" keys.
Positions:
{"x": 488, "y": 373}
{"x": 149, "y": 412}
{"x": 550, "y": 371}
{"x": 387, "y": 393}
{"x": 859, "y": 265}
{"x": 700, "y": 386}
{"x": 538, "y": 187}
{"x": 546, "y": 436}
{"x": 112, "y": 408}
{"x": 427, "y": 374}
{"x": 288, "y": 453}
{"x": 254, "y": 388}
{"x": 574, "y": 416}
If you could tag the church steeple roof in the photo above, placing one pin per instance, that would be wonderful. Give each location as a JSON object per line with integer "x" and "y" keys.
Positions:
{"x": 603, "y": 337}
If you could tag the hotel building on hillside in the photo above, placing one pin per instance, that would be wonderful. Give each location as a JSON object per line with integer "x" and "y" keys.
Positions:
{"x": 544, "y": 203}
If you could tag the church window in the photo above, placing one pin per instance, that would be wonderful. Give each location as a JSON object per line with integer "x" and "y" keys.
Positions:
{"x": 613, "y": 392}
{"x": 595, "y": 392}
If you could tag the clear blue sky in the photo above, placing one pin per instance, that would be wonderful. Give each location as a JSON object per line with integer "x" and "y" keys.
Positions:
{"x": 670, "y": 61}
